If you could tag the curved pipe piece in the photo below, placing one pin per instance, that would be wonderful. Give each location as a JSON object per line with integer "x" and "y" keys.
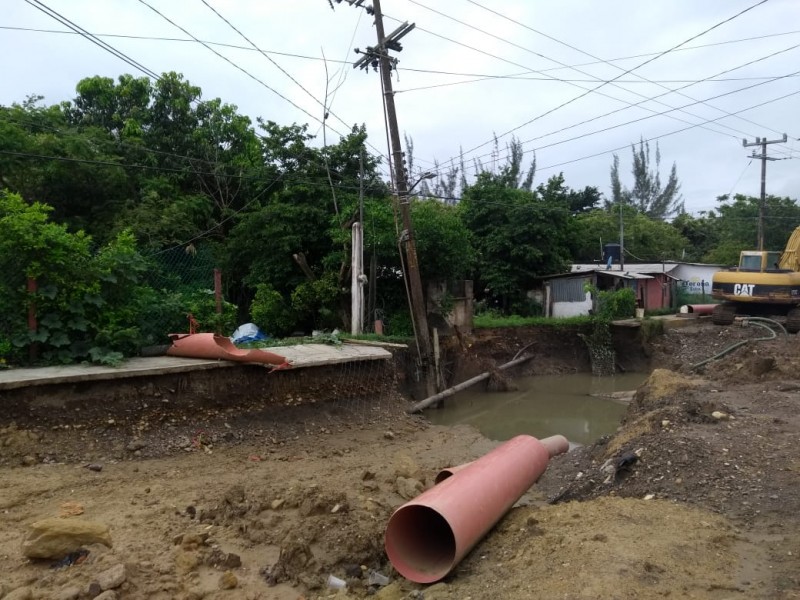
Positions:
{"x": 218, "y": 347}
{"x": 428, "y": 536}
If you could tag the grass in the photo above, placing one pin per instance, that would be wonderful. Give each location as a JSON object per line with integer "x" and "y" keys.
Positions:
{"x": 489, "y": 320}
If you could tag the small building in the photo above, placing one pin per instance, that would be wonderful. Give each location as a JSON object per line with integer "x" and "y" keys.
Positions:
{"x": 565, "y": 294}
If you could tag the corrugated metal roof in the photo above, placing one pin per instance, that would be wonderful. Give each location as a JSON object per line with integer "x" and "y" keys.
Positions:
{"x": 629, "y": 267}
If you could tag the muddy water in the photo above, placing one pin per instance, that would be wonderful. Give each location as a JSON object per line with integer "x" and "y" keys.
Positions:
{"x": 576, "y": 406}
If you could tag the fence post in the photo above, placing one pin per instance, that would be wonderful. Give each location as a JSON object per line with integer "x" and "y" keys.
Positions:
{"x": 218, "y": 298}
{"x": 31, "y": 287}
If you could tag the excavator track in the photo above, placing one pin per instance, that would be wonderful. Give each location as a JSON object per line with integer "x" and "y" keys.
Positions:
{"x": 793, "y": 320}
{"x": 725, "y": 313}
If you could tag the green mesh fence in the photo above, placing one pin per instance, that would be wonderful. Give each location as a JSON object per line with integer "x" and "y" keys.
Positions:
{"x": 59, "y": 320}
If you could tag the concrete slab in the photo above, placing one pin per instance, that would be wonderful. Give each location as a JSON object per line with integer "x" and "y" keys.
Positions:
{"x": 308, "y": 355}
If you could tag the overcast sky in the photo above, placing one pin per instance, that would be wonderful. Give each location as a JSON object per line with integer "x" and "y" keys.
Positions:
{"x": 532, "y": 40}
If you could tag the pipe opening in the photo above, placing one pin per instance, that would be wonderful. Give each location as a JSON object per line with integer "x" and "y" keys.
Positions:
{"x": 420, "y": 543}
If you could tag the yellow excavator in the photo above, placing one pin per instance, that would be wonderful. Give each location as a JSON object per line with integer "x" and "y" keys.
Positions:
{"x": 764, "y": 284}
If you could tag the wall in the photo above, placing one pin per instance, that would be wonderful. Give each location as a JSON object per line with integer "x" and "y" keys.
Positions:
{"x": 572, "y": 309}
{"x": 692, "y": 276}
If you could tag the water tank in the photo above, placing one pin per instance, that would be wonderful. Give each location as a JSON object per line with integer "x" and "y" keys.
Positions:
{"x": 611, "y": 251}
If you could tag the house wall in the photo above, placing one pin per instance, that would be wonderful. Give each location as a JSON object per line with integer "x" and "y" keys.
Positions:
{"x": 656, "y": 296}
{"x": 572, "y": 309}
{"x": 567, "y": 298}
{"x": 695, "y": 279}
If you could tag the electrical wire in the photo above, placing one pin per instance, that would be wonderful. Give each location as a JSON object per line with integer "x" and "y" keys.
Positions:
{"x": 626, "y": 72}
{"x": 522, "y": 77}
{"x": 347, "y": 62}
{"x": 233, "y": 64}
{"x": 326, "y": 109}
{"x": 576, "y": 49}
{"x": 41, "y": 6}
{"x": 589, "y": 120}
{"x": 663, "y": 135}
{"x": 611, "y": 81}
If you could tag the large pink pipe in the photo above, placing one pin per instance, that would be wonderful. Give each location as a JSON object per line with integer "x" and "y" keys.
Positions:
{"x": 217, "y": 347}
{"x": 428, "y": 536}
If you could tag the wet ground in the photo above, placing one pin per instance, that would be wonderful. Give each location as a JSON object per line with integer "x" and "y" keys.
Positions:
{"x": 268, "y": 500}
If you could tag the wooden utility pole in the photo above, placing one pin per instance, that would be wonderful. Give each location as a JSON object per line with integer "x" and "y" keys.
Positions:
{"x": 764, "y": 158}
{"x": 378, "y": 56}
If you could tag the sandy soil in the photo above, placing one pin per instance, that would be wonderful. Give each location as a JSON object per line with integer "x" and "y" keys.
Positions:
{"x": 269, "y": 504}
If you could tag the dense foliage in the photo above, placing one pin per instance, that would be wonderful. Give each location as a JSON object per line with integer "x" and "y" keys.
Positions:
{"x": 122, "y": 202}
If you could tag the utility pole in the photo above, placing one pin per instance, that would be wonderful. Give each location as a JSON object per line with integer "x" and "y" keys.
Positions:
{"x": 764, "y": 158}
{"x": 378, "y": 56}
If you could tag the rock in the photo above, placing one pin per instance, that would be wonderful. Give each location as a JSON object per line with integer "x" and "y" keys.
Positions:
{"x": 136, "y": 445}
{"x": 94, "y": 590}
{"x": 96, "y": 467}
{"x": 235, "y": 495}
{"x": 70, "y": 593}
{"x": 232, "y": 561}
{"x": 112, "y": 578}
{"x": 407, "y": 487}
{"x": 55, "y": 538}
{"x": 389, "y": 435}
{"x": 719, "y": 415}
{"x": 277, "y": 503}
{"x": 22, "y": 593}
{"x": 228, "y": 581}
{"x": 28, "y": 460}
{"x": 108, "y": 595}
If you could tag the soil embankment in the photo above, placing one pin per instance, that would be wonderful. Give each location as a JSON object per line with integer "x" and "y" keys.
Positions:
{"x": 211, "y": 503}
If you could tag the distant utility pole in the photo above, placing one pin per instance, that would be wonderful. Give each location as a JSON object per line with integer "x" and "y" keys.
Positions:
{"x": 378, "y": 57}
{"x": 764, "y": 158}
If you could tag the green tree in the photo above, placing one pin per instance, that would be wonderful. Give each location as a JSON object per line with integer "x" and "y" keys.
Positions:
{"x": 647, "y": 195}
{"x": 646, "y": 239}
{"x": 736, "y": 221}
{"x": 517, "y": 234}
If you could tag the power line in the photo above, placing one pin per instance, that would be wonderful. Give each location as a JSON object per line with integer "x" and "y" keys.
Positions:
{"x": 233, "y": 64}
{"x": 627, "y": 71}
{"x": 280, "y": 68}
{"x": 576, "y": 49}
{"x": 318, "y": 58}
{"x": 572, "y": 126}
{"x": 522, "y": 77}
{"x": 85, "y": 34}
{"x": 248, "y": 73}
{"x": 153, "y": 38}
{"x": 658, "y": 137}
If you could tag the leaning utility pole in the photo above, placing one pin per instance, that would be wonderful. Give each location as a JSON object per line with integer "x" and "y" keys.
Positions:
{"x": 378, "y": 56}
{"x": 764, "y": 158}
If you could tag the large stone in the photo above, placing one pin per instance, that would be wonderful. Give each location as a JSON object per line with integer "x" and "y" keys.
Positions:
{"x": 55, "y": 538}
{"x": 112, "y": 578}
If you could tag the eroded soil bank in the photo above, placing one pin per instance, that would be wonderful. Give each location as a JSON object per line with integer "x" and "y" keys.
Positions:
{"x": 266, "y": 499}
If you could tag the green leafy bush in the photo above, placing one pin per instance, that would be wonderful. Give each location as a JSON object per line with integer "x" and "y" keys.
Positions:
{"x": 270, "y": 311}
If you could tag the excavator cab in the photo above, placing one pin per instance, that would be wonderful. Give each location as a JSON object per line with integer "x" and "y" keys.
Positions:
{"x": 753, "y": 261}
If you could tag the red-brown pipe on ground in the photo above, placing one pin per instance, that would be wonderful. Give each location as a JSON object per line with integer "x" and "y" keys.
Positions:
{"x": 217, "y": 347}
{"x": 698, "y": 309}
{"x": 428, "y": 536}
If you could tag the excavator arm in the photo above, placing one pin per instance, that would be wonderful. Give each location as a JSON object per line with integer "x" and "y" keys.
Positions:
{"x": 790, "y": 259}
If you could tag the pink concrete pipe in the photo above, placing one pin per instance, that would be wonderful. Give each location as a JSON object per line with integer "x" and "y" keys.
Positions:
{"x": 428, "y": 536}
{"x": 217, "y": 347}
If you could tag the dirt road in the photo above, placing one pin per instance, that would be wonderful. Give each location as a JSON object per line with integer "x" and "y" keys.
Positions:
{"x": 267, "y": 507}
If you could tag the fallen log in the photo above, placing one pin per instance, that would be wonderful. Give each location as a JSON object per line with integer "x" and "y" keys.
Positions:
{"x": 422, "y": 404}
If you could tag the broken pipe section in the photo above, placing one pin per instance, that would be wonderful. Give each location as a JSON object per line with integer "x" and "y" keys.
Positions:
{"x": 429, "y": 535}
